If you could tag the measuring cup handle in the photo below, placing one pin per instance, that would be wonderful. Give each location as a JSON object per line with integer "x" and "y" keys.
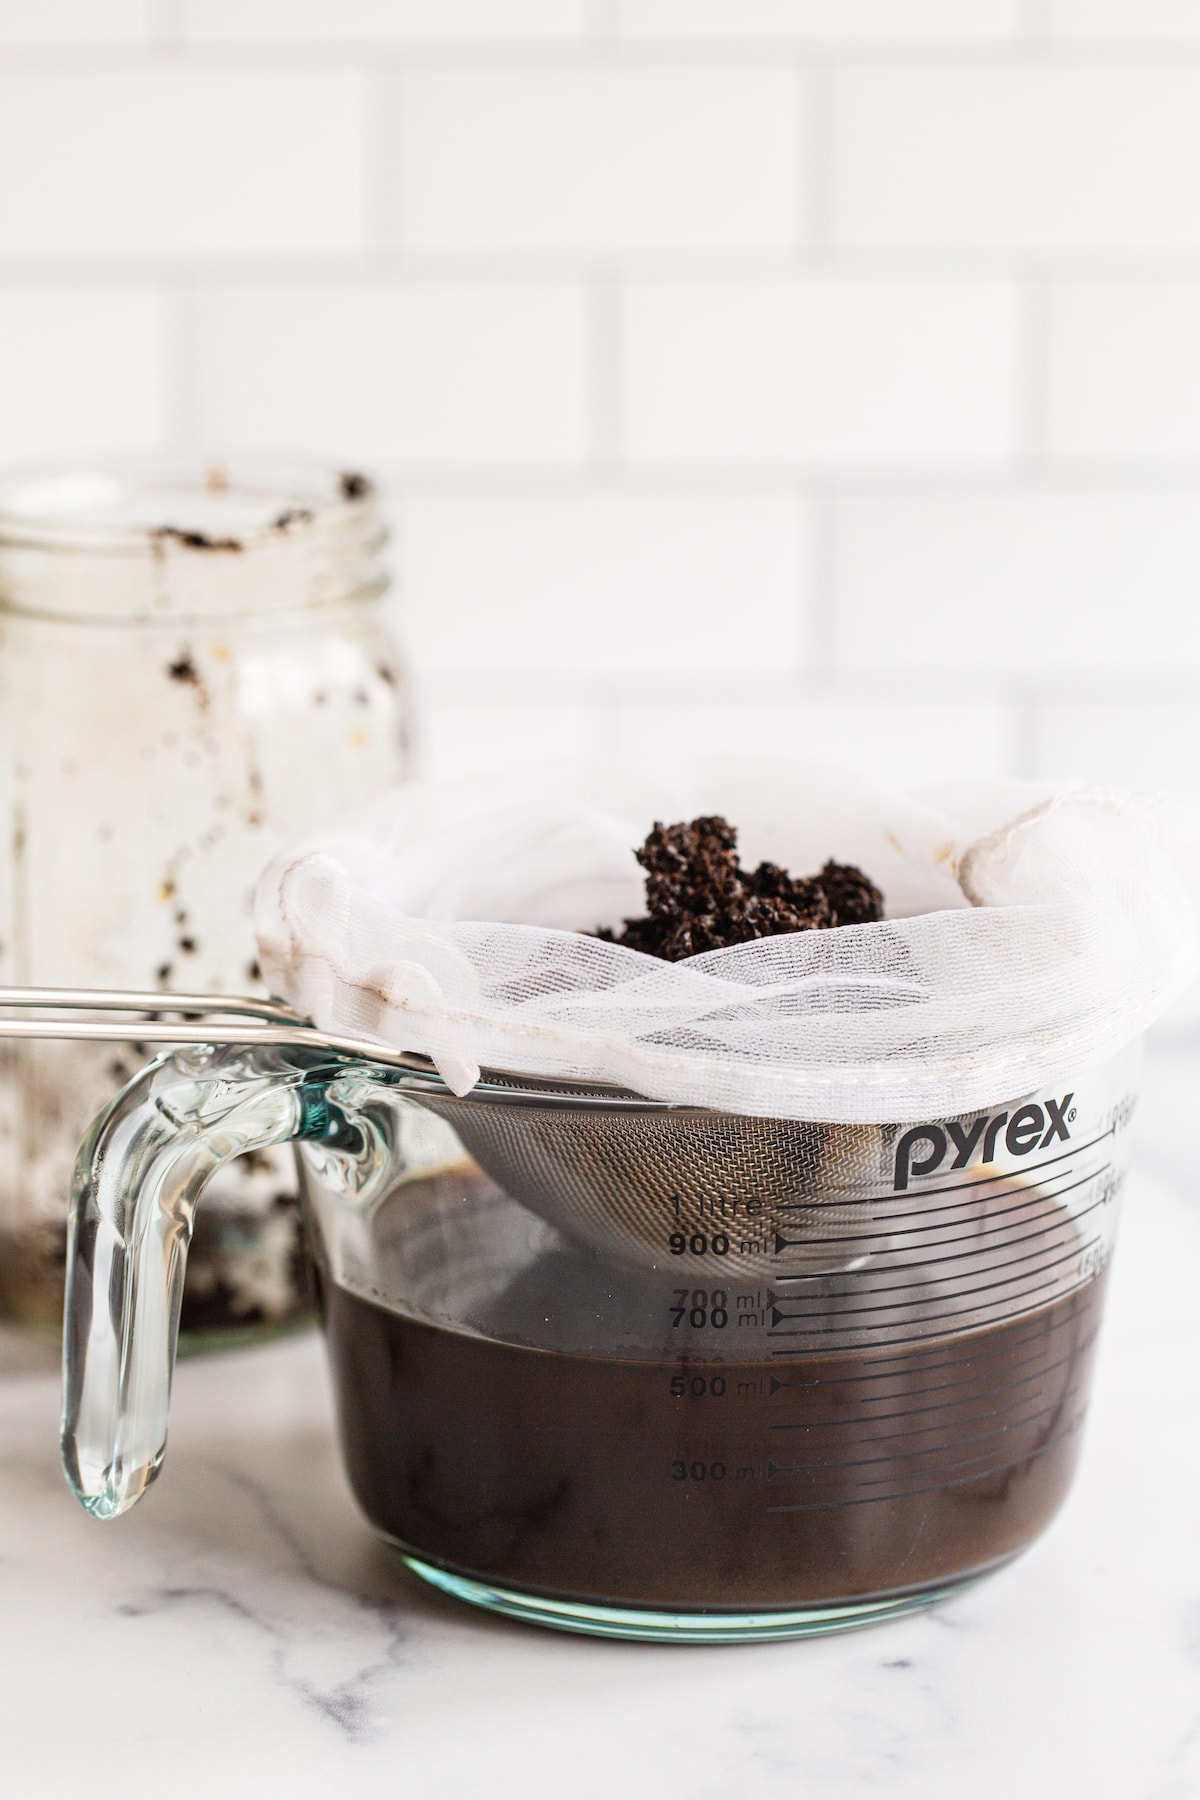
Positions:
{"x": 139, "y": 1172}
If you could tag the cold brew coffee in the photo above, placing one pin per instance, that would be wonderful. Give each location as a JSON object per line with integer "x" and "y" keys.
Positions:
{"x": 547, "y": 1423}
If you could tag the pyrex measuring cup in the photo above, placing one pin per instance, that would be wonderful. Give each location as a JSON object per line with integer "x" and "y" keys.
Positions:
{"x": 626, "y": 1368}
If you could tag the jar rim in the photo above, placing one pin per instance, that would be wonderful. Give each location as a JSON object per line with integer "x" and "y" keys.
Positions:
{"x": 182, "y": 503}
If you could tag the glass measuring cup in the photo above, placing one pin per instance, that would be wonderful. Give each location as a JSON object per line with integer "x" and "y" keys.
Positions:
{"x": 625, "y": 1368}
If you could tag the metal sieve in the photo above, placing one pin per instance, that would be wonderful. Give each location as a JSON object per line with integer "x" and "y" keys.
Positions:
{"x": 633, "y": 1178}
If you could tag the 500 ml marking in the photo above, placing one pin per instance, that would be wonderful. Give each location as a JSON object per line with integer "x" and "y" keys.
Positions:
{"x": 699, "y": 1385}
{"x": 716, "y": 1387}
{"x": 1093, "y": 1260}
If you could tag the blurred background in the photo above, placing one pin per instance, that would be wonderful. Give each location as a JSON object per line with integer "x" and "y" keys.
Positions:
{"x": 798, "y": 375}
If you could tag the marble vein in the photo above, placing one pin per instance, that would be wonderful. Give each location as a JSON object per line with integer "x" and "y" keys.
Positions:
{"x": 243, "y": 1634}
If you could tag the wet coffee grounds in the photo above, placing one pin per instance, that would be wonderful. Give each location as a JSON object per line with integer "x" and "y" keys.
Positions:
{"x": 698, "y": 896}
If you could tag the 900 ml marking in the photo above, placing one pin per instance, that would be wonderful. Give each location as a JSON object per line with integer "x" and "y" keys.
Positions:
{"x": 699, "y": 1243}
{"x": 700, "y": 1308}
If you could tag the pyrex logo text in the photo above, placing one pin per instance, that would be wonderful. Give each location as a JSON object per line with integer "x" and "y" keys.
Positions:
{"x": 1030, "y": 1128}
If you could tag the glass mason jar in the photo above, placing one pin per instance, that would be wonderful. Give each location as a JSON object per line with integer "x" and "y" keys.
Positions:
{"x": 194, "y": 664}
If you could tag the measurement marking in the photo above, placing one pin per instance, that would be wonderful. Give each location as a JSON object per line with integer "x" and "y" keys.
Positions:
{"x": 912, "y": 1412}
{"x": 958, "y": 1256}
{"x": 955, "y": 1187}
{"x": 803, "y": 1322}
{"x": 979, "y": 1240}
{"x": 910, "y": 1365}
{"x": 983, "y": 1474}
{"x": 871, "y": 1462}
{"x": 1032, "y": 1197}
{"x": 924, "y": 1212}
{"x": 1069, "y": 1392}
{"x": 917, "y": 1281}
{"x": 896, "y": 1437}
{"x": 936, "y": 1325}
{"x": 936, "y": 1332}
{"x": 941, "y": 1387}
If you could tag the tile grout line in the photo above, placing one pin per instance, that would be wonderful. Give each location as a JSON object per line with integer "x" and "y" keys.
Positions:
{"x": 523, "y": 480}
{"x": 605, "y": 353}
{"x": 1033, "y": 48}
{"x": 818, "y": 642}
{"x": 1025, "y": 733}
{"x": 602, "y": 28}
{"x": 950, "y": 266}
{"x": 1033, "y": 29}
{"x": 168, "y": 26}
{"x": 383, "y": 220}
{"x": 787, "y": 686}
{"x": 1033, "y": 373}
{"x": 181, "y": 375}
{"x": 814, "y": 84}
{"x": 603, "y": 712}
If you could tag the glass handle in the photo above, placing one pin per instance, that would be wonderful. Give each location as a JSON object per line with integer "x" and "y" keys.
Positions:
{"x": 140, "y": 1170}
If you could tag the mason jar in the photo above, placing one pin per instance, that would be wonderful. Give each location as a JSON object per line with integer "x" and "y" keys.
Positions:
{"x": 195, "y": 665}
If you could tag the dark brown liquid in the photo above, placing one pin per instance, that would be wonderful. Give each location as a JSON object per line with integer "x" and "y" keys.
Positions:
{"x": 797, "y": 1480}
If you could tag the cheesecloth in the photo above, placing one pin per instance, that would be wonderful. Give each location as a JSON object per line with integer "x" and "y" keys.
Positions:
{"x": 1029, "y": 933}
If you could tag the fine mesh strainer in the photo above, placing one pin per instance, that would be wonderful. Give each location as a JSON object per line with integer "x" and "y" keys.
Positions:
{"x": 623, "y": 1174}
{"x": 629, "y": 1179}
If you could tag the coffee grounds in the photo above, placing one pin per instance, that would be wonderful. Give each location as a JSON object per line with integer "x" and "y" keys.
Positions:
{"x": 698, "y": 896}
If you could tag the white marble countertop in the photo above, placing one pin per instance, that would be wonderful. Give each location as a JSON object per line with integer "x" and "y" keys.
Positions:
{"x": 243, "y": 1633}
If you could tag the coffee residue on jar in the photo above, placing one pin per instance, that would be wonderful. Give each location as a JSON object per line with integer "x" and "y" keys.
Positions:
{"x": 184, "y": 670}
{"x": 193, "y": 540}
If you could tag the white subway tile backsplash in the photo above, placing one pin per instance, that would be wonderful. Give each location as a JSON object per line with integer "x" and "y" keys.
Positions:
{"x": 599, "y": 160}
{"x": 756, "y": 374}
{"x": 1123, "y": 360}
{"x": 81, "y": 370}
{"x": 821, "y": 21}
{"x": 384, "y": 21}
{"x": 398, "y": 373}
{"x": 76, "y": 22}
{"x": 1113, "y": 21}
{"x": 902, "y": 739}
{"x": 181, "y": 162}
{"x": 1148, "y": 744}
{"x": 1024, "y": 588}
{"x": 604, "y": 588}
{"x": 826, "y": 372}
{"x": 473, "y": 734}
{"x": 1051, "y": 158}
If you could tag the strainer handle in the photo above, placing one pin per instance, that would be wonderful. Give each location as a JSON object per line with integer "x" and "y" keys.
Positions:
{"x": 140, "y": 1170}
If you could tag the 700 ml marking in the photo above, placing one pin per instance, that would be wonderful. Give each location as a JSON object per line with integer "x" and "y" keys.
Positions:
{"x": 700, "y": 1308}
